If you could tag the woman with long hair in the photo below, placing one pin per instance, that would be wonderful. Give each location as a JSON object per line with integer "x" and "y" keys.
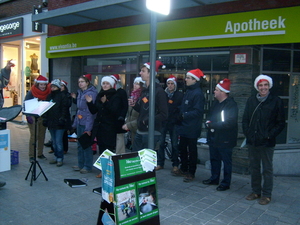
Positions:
{"x": 83, "y": 123}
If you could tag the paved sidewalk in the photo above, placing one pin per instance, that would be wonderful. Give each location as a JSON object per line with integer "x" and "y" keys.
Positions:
{"x": 53, "y": 202}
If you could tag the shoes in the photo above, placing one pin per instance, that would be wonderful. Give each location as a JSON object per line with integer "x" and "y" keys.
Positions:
{"x": 42, "y": 157}
{"x": 2, "y": 183}
{"x": 178, "y": 173}
{"x": 159, "y": 168}
{"x": 76, "y": 168}
{"x": 252, "y": 196}
{"x": 53, "y": 161}
{"x": 51, "y": 151}
{"x": 83, "y": 171}
{"x": 31, "y": 159}
{"x": 222, "y": 188}
{"x": 99, "y": 175}
{"x": 174, "y": 170}
{"x": 210, "y": 182}
{"x": 48, "y": 144}
{"x": 264, "y": 200}
{"x": 188, "y": 178}
{"x": 59, "y": 163}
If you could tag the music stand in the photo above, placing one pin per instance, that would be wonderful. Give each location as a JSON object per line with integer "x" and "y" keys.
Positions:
{"x": 34, "y": 162}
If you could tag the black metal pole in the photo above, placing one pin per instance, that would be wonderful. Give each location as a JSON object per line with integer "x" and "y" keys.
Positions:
{"x": 151, "y": 144}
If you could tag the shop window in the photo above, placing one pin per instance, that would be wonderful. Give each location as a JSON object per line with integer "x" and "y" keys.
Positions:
{"x": 296, "y": 61}
{"x": 281, "y": 84}
{"x": 276, "y": 60}
{"x": 110, "y": 65}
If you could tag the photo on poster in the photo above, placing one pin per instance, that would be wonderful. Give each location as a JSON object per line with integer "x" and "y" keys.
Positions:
{"x": 125, "y": 206}
{"x": 148, "y": 206}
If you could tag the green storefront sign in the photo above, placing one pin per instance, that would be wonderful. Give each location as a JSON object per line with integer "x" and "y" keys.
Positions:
{"x": 271, "y": 26}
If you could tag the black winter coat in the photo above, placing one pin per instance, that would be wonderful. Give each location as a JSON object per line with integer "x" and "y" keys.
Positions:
{"x": 105, "y": 124}
{"x": 266, "y": 123}
{"x": 223, "y": 126}
{"x": 174, "y": 102}
{"x": 121, "y": 93}
{"x": 56, "y": 117}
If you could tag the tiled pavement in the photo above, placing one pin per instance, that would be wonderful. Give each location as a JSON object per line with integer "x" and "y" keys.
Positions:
{"x": 53, "y": 202}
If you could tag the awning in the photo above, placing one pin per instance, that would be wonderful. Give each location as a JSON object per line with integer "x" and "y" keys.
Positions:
{"x": 99, "y": 10}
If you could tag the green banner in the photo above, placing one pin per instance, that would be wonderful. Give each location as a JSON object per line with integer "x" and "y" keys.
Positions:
{"x": 273, "y": 26}
{"x": 130, "y": 167}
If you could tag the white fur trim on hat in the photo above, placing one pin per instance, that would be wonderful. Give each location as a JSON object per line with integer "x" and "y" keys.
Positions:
{"x": 108, "y": 79}
{"x": 138, "y": 80}
{"x": 263, "y": 77}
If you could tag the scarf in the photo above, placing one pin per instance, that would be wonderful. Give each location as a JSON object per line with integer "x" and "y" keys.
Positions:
{"x": 109, "y": 93}
{"x": 262, "y": 99}
{"x": 41, "y": 95}
{"x": 135, "y": 94}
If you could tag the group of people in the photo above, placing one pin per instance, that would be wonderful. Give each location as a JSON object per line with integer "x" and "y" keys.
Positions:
{"x": 107, "y": 115}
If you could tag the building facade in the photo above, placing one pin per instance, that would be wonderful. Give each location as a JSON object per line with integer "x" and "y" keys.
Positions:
{"x": 236, "y": 39}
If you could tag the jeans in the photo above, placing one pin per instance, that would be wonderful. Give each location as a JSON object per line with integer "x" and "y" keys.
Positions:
{"x": 188, "y": 154}
{"x": 85, "y": 156}
{"x": 57, "y": 143}
{"x": 174, "y": 143}
{"x": 141, "y": 141}
{"x": 261, "y": 156}
{"x": 217, "y": 156}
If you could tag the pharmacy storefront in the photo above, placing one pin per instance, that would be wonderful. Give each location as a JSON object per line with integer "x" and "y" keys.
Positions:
{"x": 238, "y": 46}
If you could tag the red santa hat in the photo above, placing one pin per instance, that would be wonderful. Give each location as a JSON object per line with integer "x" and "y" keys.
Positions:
{"x": 110, "y": 80}
{"x": 173, "y": 79}
{"x": 158, "y": 64}
{"x": 224, "y": 85}
{"x": 196, "y": 73}
{"x": 262, "y": 78}
{"x": 88, "y": 76}
{"x": 116, "y": 77}
{"x": 64, "y": 83}
{"x": 41, "y": 80}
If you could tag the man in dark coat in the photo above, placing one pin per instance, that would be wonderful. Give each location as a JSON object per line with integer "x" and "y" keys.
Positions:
{"x": 263, "y": 120}
{"x": 222, "y": 132}
{"x": 191, "y": 116}
{"x": 174, "y": 101}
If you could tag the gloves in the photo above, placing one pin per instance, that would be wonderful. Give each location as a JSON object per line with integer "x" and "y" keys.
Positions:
{"x": 29, "y": 119}
{"x": 45, "y": 123}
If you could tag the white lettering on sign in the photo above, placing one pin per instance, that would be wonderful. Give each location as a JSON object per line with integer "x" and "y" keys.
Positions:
{"x": 9, "y": 26}
{"x": 255, "y": 25}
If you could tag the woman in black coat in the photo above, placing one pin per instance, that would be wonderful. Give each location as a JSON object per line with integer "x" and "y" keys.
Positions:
{"x": 107, "y": 107}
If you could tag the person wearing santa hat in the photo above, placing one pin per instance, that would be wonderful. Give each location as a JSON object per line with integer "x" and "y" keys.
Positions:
{"x": 263, "y": 120}
{"x": 191, "y": 116}
{"x": 121, "y": 93}
{"x": 174, "y": 101}
{"x": 83, "y": 123}
{"x": 41, "y": 89}
{"x": 142, "y": 107}
{"x": 64, "y": 89}
{"x": 107, "y": 107}
{"x": 222, "y": 130}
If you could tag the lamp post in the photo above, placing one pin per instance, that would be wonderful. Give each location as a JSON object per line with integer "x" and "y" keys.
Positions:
{"x": 163, "y": 7}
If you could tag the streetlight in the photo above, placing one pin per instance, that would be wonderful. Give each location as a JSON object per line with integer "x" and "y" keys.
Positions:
{"x": 163, "y": 7}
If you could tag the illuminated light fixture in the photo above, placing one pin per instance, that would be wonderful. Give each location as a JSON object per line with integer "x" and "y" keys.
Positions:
{"x": 159, "y": 6}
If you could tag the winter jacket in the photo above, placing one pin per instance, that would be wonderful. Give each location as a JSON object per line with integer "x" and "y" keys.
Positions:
{"x": 69, "y": 104}
{"x": 174, "y": 102}
{"x": 56, "y": 117}
{"x": 131, "y": 120}
{"x": 223, "y": 126}
{"x": 121, "y": 93}
{"x": 261, "y": 127}
{"x": 161, "y": 109}
{"x": 191, "y": 109}
{"x": 4, "y": 80}
{"x": 105, "y": 124}
{"x": 84, "y": 116}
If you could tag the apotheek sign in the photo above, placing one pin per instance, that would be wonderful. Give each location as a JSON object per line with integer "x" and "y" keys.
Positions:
{"x": 11, "y": 28}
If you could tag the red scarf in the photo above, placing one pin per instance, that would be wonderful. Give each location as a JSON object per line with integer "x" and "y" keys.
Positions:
{"x": 41, "y": 95}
